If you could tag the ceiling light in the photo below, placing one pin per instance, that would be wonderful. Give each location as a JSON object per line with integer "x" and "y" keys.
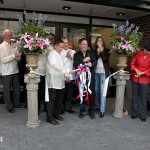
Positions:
{"x": 120, "y": 14}
{"x": 1, "y": 1}
{"x": 66, "y": 7}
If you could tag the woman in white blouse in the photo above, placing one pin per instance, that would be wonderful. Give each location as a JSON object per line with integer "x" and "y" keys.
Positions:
{"x": 101, "y": 72}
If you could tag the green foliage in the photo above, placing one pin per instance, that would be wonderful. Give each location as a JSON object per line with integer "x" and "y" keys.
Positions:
{"x": 135, "y": 38}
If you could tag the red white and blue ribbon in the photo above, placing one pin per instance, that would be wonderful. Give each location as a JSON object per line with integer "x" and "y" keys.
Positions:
{"x": 83, "y": 79}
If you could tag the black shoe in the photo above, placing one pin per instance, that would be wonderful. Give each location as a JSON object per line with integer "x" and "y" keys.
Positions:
{"x": 54, "y": 122}
{"x": 92, "y": 115}
{"x": 81, "y": 115}
{"x": 101, "y": 115}
{"x": 59, "y": 118}
{"x": 62, "y": 112}
{"x": 133, "y": 117}
{"x": 70, "y": 111}
{"x": 143, "y": 119}
{"x": 11, "y": 110}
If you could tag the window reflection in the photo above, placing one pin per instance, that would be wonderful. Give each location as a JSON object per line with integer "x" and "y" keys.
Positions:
{"x": 74, "y": 34}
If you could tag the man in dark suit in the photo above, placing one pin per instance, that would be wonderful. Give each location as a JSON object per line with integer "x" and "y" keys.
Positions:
{"x": 87, "y": 56}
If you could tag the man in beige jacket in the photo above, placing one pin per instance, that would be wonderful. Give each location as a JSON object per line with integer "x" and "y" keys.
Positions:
{"x": 9, "y": 56}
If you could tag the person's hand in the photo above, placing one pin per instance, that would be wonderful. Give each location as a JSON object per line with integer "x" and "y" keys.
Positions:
{"x": 17, "y": 54}
{"x": 138, "y": 73}
{"x": 86, "y": 59}
{"x": 68, "y": 79}
{"x": 89, "y": 64}
{"x": 71, "y": 71}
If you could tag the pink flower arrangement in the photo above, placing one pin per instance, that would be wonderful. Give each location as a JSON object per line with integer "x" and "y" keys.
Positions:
{"x": 32, "y": 36}
{"x": 125, "y": 39}
{"x": 32, "y": 44}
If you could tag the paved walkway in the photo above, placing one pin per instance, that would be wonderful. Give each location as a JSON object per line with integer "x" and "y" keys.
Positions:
{"x": 73, "y": 133}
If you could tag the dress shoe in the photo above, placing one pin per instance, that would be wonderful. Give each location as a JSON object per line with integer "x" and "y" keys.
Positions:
{"x": 54, "y": 122}
{"x": 62, "y": 112}
{"x": 101, "y": 115}
{"x": 81, "y": 115}
{"x": 92, "y": 115}
{"x": 143, "y": 119}
{"x": 70, "y": 111}
{"x": 11, "y": 110}
{"x": 59, "y": 118}
{"x": 133, "y": 117}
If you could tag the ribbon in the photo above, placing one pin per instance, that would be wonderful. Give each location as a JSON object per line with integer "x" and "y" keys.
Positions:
{"x": 83, "y": 80}
{"x": 46, "y": 85}
{"x": 107, "y": 80}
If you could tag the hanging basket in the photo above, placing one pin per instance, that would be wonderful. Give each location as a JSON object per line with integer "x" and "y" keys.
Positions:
{"x": 122, "y": 62}
{"x": 32, "y": 60}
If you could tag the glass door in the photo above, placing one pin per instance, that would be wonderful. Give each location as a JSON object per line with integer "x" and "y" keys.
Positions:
{"x": 74, "y": 33}
{"x": 54, "y": 28}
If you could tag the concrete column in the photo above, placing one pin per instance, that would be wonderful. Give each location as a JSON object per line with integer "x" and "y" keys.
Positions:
{"x": 32, "y": 81}
{"x": 121, "y": 79}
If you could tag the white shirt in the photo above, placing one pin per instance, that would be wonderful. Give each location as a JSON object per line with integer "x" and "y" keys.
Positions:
{"x": 68, "y": 62}
{"x": 42, "y": 62}
{"x": 55, "y": 70}
{"x": 9, "y": 64}
{"x": 100, "y": 67}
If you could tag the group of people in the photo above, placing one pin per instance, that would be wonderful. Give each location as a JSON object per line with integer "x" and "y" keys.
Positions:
{"x": 59, "y": 64}
{"x": 60, "y": 73}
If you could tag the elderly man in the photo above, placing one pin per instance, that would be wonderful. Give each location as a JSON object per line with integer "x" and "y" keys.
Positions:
{"x": 9, "y": 56}
{"x": 55, "y": 73}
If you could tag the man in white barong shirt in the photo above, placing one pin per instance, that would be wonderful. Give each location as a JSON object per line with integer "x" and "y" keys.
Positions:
{"x": 10, "y": 73}
{"x": 55, "y": 74}
{"x": 67, "y": 55}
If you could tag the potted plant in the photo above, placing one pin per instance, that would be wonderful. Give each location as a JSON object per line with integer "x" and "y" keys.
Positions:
{"x": 125, "y": 40}
{"x": 31, "y": 38}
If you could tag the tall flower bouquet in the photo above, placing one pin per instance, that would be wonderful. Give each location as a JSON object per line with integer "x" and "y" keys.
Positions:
{"x": 125, "y": 39}
{"x": 32, "y": 34}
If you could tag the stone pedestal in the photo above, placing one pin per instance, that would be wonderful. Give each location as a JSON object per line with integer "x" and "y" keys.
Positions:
{"x": 121, "y": 79}
{"x": 32, "y": 81}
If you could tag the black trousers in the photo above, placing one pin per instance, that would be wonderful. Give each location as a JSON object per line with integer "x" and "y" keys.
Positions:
{"x": 139, "y": 99}
{"x": 67, "y": 102}
{"x": 92, "y": 95}
{"x": 8, "y": 82}
{"x": 41, "y": 92}
{"x": 53, "y": 107}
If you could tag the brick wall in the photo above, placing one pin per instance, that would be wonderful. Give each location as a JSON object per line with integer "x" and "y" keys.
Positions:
{"x": 144, "y": 27}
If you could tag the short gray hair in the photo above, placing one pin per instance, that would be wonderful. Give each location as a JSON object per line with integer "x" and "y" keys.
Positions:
{"x": 6, "y": 30}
